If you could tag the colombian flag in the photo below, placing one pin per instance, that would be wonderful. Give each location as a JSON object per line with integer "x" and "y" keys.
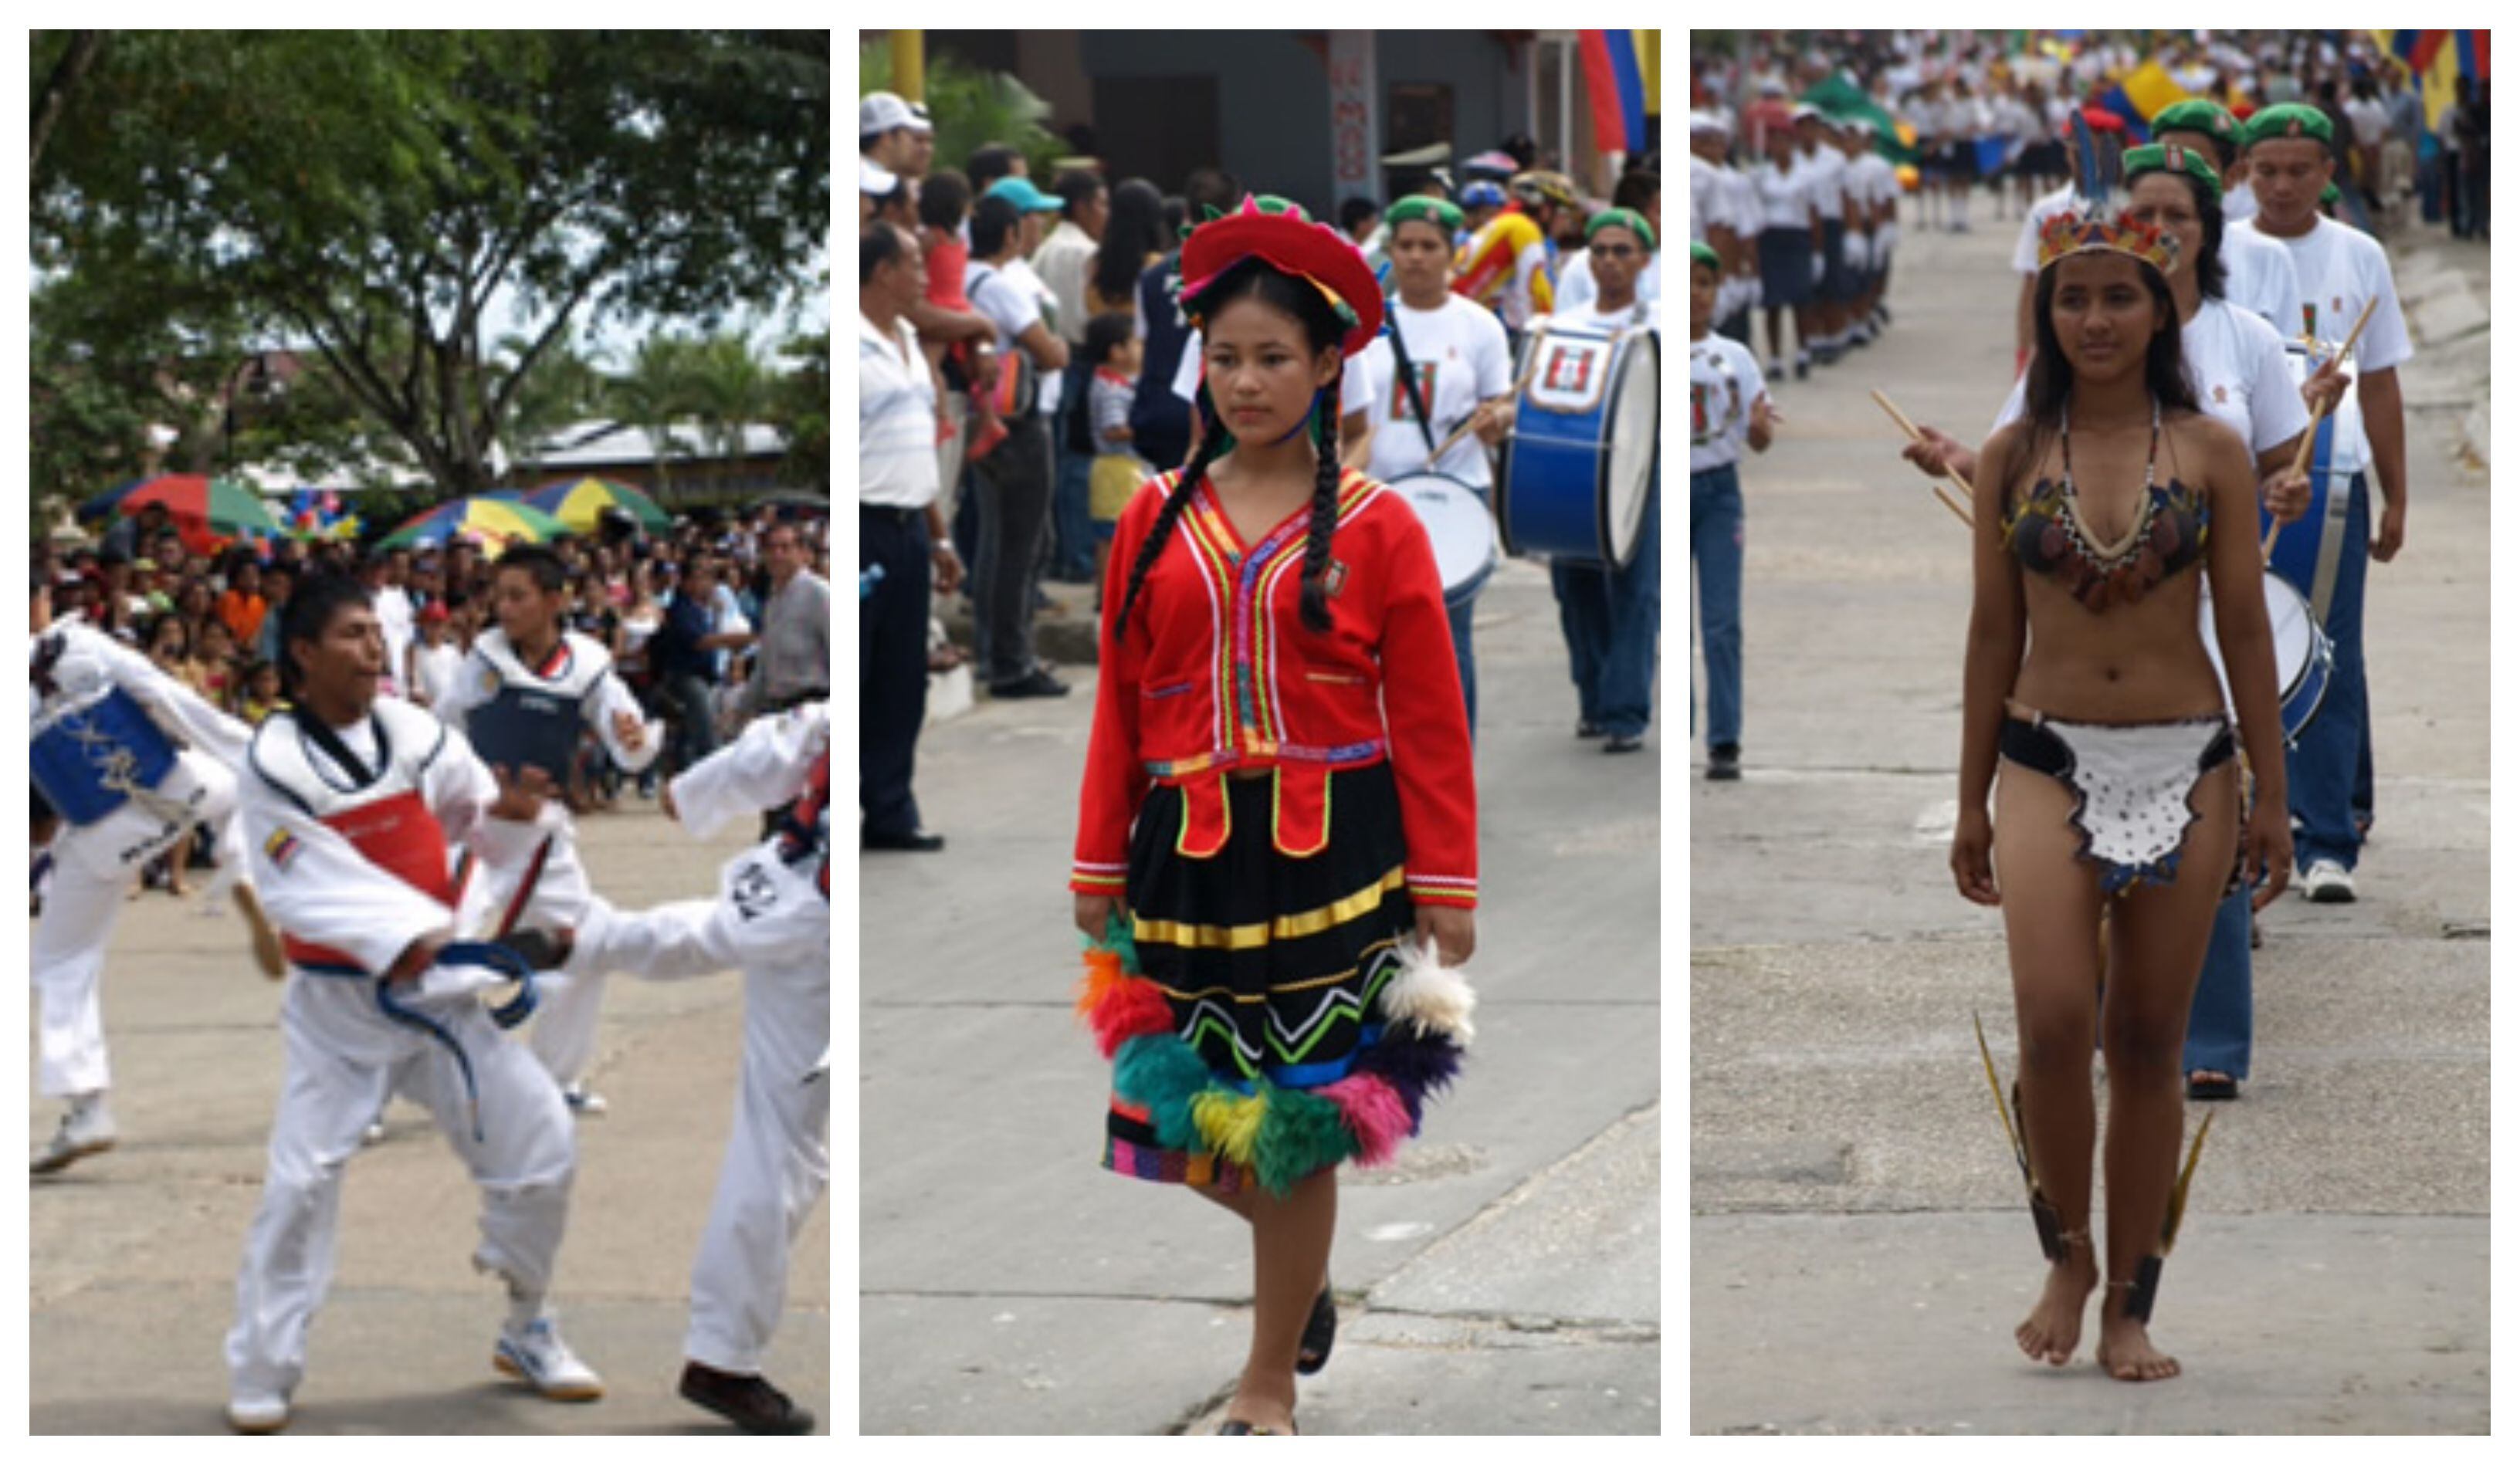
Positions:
{"x": 2438, "y": 59}
{"x": 2141, "y": 97}
{"x": 1621, "y": 81}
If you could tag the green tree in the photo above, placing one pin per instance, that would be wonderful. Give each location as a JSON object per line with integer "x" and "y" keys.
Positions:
{"x": 654, "y": 395}
{"x": 386, "y": 202}
{"x": 801, "y": 409}
{"x": 563, "y": 388}
{"x": 729, "y": 391}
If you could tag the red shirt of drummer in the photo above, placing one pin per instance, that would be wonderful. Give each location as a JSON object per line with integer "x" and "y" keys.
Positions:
{"x": 1218, "y": 672}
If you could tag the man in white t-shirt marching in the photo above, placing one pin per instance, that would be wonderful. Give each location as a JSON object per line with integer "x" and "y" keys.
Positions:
{"x": 2340, "y": 271}
{"x": 1458, "y": 372}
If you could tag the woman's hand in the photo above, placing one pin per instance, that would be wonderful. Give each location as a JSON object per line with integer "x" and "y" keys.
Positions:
{"x": 1973, "y": 859}
{"x": 1933, "y": 452}
{"x": 2286, "y": 493}
{"x": 2267, "y": 847}
{"x": 1094, "y": 914}
{"x": 1452, "y": 930}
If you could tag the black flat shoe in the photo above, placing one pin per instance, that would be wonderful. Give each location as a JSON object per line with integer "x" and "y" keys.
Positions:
{"x": 1038, "y": 684}
{"x": 1588, "y": 730}
{"x": 2207, "y": 1085}
{"x": 1245, "y": 1427}
{"x": 745, "y": 1401}
{"x": 1624, "y": 742}
{"x": 1321, "y": 1331}
{"x": 917, "y": 841}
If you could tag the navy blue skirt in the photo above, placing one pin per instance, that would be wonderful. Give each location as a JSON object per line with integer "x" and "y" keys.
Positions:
{"x": 1785, "y": 266}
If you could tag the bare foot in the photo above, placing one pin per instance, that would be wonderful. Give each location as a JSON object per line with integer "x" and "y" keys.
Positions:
{"x": 1264, "y": 1409}
{"x": 2055, "y": 1325}
{"x": 2125, "y": 1351}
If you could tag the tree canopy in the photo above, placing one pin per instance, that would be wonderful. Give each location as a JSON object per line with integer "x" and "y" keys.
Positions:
{"x": 430, "y": 216}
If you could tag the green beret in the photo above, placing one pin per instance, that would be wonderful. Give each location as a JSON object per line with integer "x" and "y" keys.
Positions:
{"x": 2197, "y": 115}
{"x": 2290, "y": 119}
{"x": 2165, "y": 157}
{"x": 1624, "y": 218}
{"x": 1700, "y": 254}
{"x": 1421, "y": 208}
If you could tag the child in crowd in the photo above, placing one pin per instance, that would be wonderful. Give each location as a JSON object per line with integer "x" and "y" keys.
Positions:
{"x": 261, "y": 692}
{"x": 1116, "y": 353}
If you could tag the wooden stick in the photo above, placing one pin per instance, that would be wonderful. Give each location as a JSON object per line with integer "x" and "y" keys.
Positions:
{"x": 1954, "y": 505}
{"x": 2310, "y": 437}
{"x": 1914, "y": 435}
{"x": 1529, "y": 366}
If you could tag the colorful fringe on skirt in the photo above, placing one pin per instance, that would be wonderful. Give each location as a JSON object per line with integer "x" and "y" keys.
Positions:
{"x": 1238, "y": 1059}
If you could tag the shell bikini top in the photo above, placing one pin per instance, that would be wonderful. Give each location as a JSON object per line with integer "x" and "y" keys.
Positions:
{"x": 2048, "y": 535}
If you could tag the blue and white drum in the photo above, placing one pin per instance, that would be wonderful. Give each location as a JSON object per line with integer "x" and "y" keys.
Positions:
{"x": 2305, "y": 658}
{"x": 2308, "y": 551}
{"x": 1587, "y": 433}
{"x": 91, "y": 756}
{"x": 1458, "y": 521}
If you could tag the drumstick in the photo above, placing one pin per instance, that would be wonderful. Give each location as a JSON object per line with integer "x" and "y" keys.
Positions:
{"x": 2310, "y": 436}
{"x": 1914, "y": 435}
{"x": 1954, "y": 506}
{"x": 1528, "y": 367}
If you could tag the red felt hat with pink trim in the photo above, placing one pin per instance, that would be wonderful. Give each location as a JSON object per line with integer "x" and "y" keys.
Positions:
{"x": 1281, "y": 234}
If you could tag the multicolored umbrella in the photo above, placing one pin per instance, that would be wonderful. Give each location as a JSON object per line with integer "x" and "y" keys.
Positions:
{"x": 580, "y": 503}
{"x": 494, "y": 522}
{"x": 221, "y": 507}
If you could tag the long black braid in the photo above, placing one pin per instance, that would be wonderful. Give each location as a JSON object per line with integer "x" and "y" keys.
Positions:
{"x": 1323, "y": 328}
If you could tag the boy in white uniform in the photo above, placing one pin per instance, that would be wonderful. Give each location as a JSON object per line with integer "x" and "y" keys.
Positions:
{"x": 1460, "y": 374}
{"x": 525, "y": 694}
{"x": 773, "y": 918}
{"x": 127, "y": 761}
{"x": 1727, "y": 401}
{"x": 351, "y": 801}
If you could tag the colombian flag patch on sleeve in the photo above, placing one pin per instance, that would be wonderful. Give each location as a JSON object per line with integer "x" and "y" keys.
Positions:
{"x": 280, "y": 848}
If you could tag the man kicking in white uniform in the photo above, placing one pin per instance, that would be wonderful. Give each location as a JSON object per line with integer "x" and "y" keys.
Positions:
{"x": 773, "y": 918}
{"x": 351, "y": 802}
{"x": 126, "y": 762}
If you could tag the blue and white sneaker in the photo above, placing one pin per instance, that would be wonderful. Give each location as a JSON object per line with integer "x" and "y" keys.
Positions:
{"x": 539, "y": 1357}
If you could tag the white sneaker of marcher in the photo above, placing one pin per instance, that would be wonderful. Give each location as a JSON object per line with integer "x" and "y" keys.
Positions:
{"x": 584, "y": 1100}
{"x": 258, "y": 1412}
{"x": 2327, "y": 882}
{"x": 86, "y": 1129}
{"x": 538, "y": 1356}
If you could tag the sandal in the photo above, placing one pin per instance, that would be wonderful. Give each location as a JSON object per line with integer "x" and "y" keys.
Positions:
{"x": 1245, "y": 1427}
{"x": 2212, "y": 1083}
{"x": 1321, "y": 1331}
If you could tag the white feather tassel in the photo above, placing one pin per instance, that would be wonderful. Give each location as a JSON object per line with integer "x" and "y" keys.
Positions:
{"x": 1433, "y": 997}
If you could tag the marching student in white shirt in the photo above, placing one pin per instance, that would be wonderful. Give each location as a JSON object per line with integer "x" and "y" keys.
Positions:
{"x": 1640, "y": 192}
{"x": 2341, "y": 270}
{"x": 1728, "y": 407}
{"x": 2259, "y": 273}
{"x": 1460, "y": 372}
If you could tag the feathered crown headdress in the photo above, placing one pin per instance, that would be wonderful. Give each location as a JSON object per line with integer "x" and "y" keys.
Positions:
{"x": 2078, "y": 234}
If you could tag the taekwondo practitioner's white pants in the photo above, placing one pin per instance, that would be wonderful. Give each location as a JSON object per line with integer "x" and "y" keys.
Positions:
{"x": 93, "y": 866}
{"x": 562, "y": 1034}
{"x": 772, "y": 922}
{"x": 344, "y": 1058}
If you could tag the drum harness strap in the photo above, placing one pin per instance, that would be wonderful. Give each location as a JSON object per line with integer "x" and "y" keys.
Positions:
{"x": 1408, "y": 376}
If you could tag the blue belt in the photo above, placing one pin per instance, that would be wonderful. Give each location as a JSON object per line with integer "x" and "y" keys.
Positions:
{"x": 506, "y": 1014}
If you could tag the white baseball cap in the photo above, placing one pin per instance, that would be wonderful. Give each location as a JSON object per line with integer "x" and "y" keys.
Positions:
{"x": 882, "y": 112}
{"x": 874, "y": 180}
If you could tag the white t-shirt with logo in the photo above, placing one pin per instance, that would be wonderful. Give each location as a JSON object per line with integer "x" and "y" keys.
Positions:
{"x": 1458, "y": 350}
{"x": 2340, "y": 268}
{"x": 1724, "y": 384}
{"x": 2259, "y": 277}
{"x": 2235, "y": 363}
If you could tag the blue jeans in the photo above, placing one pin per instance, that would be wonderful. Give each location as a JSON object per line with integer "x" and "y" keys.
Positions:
{"x": 1612, "y": 620}
{"x": 1715, "y": 545}
{"x": 2219, "y": 1021}
{"x": 1464, "y": 662}
{"x": 2320, "y": 767}
{"x": 1071, "y": 524}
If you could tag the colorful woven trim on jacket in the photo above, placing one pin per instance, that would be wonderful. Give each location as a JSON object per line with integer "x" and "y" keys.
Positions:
{"x": 1282, "y": 1134}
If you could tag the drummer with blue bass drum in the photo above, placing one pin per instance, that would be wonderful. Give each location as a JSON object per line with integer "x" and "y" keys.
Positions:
{"x": 1728, "y": 407}
{"x": 1611, "y": 615}
{"x": 1420, "y": 407}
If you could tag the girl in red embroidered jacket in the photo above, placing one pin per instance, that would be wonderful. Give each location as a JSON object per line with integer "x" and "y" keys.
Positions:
{"x": 1277, "y": 838}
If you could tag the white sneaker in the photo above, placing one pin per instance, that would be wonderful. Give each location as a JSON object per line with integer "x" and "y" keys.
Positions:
{"x": 538, "y": 1356}
{"x": 258, "y": 1412}
{"x": 86, "y": 1129}
{"x": 2328, "y": 883}
{"x": 584, "y": 1101}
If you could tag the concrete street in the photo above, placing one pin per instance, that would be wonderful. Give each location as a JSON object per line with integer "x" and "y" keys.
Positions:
{"x": 1860, "y": 1252}
{"x": 1501, "y": 1278}
{"x": 133, "y": 1253}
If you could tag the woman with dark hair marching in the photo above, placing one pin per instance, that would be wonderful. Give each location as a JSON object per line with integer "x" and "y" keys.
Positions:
{"x": 1277, "y": 850}
{"x": 2089, "y": 681}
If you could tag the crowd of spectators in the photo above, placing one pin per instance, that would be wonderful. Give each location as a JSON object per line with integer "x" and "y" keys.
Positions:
{"x": 721, "y": 618}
